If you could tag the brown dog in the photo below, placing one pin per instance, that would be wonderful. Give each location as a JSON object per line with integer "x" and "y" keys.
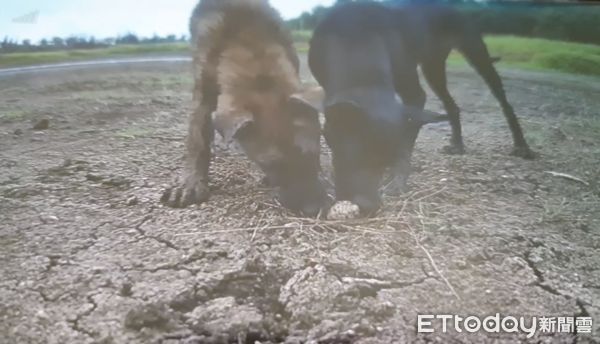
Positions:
{"x": 246, "y": 77}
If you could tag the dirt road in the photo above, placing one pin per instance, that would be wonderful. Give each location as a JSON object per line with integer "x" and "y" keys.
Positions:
{"x": 88, "y": 255}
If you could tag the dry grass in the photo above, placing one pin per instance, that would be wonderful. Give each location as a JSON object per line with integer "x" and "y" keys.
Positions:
{"x": 410, "y": 215}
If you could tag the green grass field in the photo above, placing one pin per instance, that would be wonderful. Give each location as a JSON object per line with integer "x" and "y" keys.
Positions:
{"x": 516, "y": 52}
{"x": 28, "y": 59}
{"x": 542, "y": 54}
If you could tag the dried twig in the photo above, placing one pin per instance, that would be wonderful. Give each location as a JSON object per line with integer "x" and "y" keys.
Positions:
{"x": 240, "y": 230}
{"x": 257, "y": 228}
{"x": 568, "y": 176}
{"x": 428, "y": 254}
{"x": 434, "y": 265}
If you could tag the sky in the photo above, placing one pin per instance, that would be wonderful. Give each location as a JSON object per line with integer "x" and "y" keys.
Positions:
{"x": 110, "y": 18}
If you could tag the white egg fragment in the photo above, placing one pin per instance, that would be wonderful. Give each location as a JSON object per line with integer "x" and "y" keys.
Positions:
{"x": 344, "y": 210}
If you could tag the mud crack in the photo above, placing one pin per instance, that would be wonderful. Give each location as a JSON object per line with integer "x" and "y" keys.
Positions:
{"x": 75, "y": 323}
{"x": 541, "y": 283}
{"x": 93, "y": 239}
{"x": 541, "y": 280}
{"x": 145, "y": 235}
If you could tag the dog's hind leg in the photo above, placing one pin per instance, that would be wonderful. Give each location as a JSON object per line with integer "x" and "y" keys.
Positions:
{"x": 434, "y": 70}
{"x": 475, "y": 51}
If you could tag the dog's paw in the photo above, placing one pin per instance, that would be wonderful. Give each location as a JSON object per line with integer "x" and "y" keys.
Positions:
{"x": 454, "y": 149}
{"x": 192, "y": 191}
{"x": 524, "y": 152}
{"x": 344, "y": 210}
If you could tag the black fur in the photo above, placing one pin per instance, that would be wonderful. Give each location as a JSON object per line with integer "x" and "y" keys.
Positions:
{"x": 362, "y": 63}
{"x": 430, "y": 32}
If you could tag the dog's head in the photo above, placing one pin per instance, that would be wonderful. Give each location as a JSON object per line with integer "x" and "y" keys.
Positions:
{"x": 286, "y": 146}
{"x": 367, "y": 136}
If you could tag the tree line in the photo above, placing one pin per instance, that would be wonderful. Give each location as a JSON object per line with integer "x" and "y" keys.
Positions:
{"x": 559, "y": 21}
{"x": 575, "y": 23}
{"x": 578, "y": 23}
{"x": 8, "y": 45}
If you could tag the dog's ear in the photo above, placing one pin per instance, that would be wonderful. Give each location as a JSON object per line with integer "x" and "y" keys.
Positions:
{"x": 305, "y": 124}
{"x": 423, "y": 117}
{"x": 233, "y": 126}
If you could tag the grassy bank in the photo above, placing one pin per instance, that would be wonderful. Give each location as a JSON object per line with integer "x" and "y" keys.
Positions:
{"x": 516, "y": 52}
{"x": 542, "y": 54}
{"x": 28, "y": 59}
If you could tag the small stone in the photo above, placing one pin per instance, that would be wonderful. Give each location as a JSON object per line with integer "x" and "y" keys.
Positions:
{"x": 126, "y": 289}
{"x": 148, "y": 316}
{"x": 18, "y": 132}
{"x": 96, "y": 270}
{"x": 107, "y": 283}
{"x": 94, "y": 178}
{"x": 224, "y": 315}
{"x": 461, "y": 265}
{"x": 43, "y": 124}
{"x": 117, "y": 181}
{"x": 42, "y": 315}
{"x": 48, "y": 218}
{"x": 133, "y": 200}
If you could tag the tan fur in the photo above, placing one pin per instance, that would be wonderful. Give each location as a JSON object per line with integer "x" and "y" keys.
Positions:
{"x": 238, "y": 60}
{"x": 237, "y": 74}
{"x": 245, "y": 71}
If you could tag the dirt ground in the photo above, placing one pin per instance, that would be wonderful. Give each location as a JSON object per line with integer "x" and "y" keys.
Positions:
{"x": 89, "y": 255}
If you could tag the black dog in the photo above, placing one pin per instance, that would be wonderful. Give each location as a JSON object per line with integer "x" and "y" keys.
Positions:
{"x": 430, "y": 32}
{"x": 362, "y": 63}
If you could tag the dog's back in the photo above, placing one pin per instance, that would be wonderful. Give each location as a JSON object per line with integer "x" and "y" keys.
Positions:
{"x": 433, "y": 29}
{"x": 245, "y": 49}
{"x": 217, "y": 23}
{"x": 352, "y": 38}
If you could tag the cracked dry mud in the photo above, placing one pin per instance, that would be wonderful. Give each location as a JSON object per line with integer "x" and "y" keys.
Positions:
{"x": 88, "y": 255}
